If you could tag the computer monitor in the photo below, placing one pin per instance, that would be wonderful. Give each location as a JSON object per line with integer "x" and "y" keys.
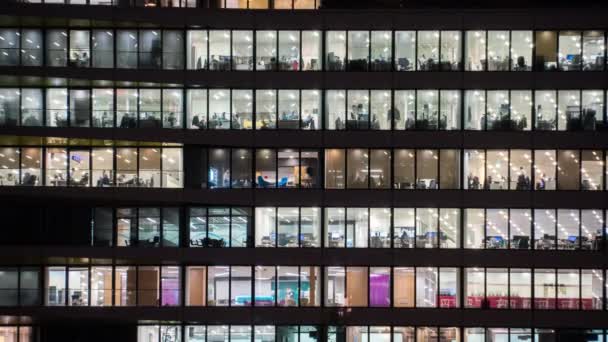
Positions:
{"x": 572, "y": 238}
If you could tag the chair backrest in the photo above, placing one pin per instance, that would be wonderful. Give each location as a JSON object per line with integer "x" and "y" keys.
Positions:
{"x": 282, "y": 182}
{"x": 262, "y": 182}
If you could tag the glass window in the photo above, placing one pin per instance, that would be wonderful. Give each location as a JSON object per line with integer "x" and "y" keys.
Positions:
{"x": 126, "y": 46}
{"x": 9, "y": 46}
{"x": 79, "y": 168}
{"x": 475, "y": 109}
{"x": 55, "y": 286}
{"x": 150, "y": 49}
{"x": 475, "y": 53}
{"x": 31, "y": 48}
{"x": 545, "y": 229}
{"x": 570, "y": 51}
{"x": 474, "y": 288}
{"x": 335, "y": 286}
{"x": 545, "y": 169}
{"x": 288, "y": 223}
{"x": 520, "y": 165}
{"x": 449, "y": 228}
{"x": 545, "y": 111}
{"x": 218, "y": 234}
{"x": 102, "y": 46}
{"x": 497, "y": 288}
{"x": 521, "y": 50}
{"x": 125, "y": 286}
{"x": 358, "y": 168}
{"x": 310, "y": 227}
{"x": 474, "y": 168}
{"x": 126, "y": 108}
{"x": 266, "y": 50}
{"x": 335, "y": 45}
{"x": 568, "y": 295}
{"x": 404, "y": 169}
{"x": 546, "y": 51}
{"x": 568, "y": 168}
{"x": 449, "y": 287}
{"x": 405, "y": 50}
{"x": 334, "y": 227}
{"x": 172, "y": 108}
{"x": 427, "y": 111}
{"x": 219, "y": 109}
{"x": 173, "y": 49}
{"x": 335, "y": 109}
{"x": 218, "y": 285}
{"x": 450, "y": 169}
{"x": 496, "y": 225}
{"x": 242, "y": 108}
{"x": 403, "y": 287}
{"x": 404, "y": 227}
{"x": 591, "y": 289}
{"x": 593, "y": 109}
{"x": 380, "y": 227}
{"x": 126, "y": 167}
{"x": 521, "y": 110}
{"x": 334, "y": 169}
{"x": 380, "y": 169}
{"x": 497, "y": 169}
{"x": 520, "y": 222}
{"x": 57, "y": 107}
{"x": 80, "y": 107}
{"x": 428, "y": 50}
{"x": 311, "y": 109}
{"x": 149, "y": 108}
{"x": 9, "y": 106}
{"x": 427, "y": 227}
{"x": 592, "y": 176}
{"x": 498, "y": 51}
{"x": 172, "y": 167}
{"x": 103, "y": 225}
{"x": 219, "y": 50}
{"x": 78, "y": 286}
{"x": 451, "y": 51}
{"x": 358, "y": 50}
{"x": 311, "y": 49}
{"x": 289, "y": 109}
{"x": 102, "y": 161}
{"x": 356, "y": 286}
{"x": 29, "y": 287}
{"x": 310, "y": 286}
{"x": 266, "y": 168}
{"x": 266, "y": 108}
{"x": 357, "y": 227}
{"x": 426, "y": 287}
{"x": 358, "y": 109}
{"x": 265, "y": 227}
{"x": 242, "y": 50}
{"x": 265, "y": 285}
{"x": 240, "y": 286}
{"x": 568, "y": 229}
{"x": 196, "y": 106}
{"x": 196, "y": 52}
{"x": 56, "y": 167}
{"x": 520, "y": 288}
{"x": 304, "y": 4}
{"x": 287, "y": 286}
{"x": 593, "y": 50}
{"x": 380, "y": 109}
{"x": 427, "y": 162}
{"x": 449, "y": 114}
{"x": 9, "y": 287}
{"x": 497, "y": 113}
{"x": 31, "y": 166}
{"x": 56, "y": 48}
{"x": 103, "y": 107}
{"x": 474, "y": 233}
{"x": 289, "y": 50}
{"x": 80, "y": 52}
{"x": 591, "y": 229}
{"x": 569, "y": 110}
{"x": 404, "y": 112}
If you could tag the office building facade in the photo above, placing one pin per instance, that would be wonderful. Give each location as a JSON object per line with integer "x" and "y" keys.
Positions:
{"x": 289, "y": 170}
